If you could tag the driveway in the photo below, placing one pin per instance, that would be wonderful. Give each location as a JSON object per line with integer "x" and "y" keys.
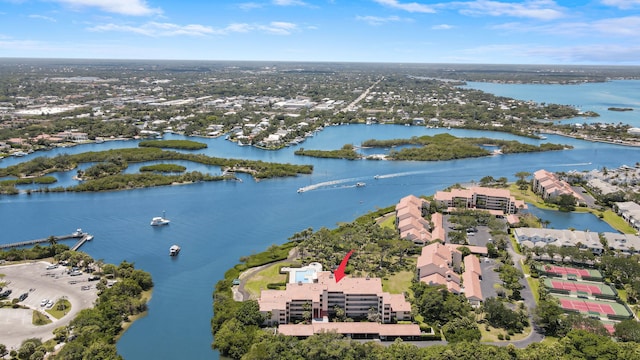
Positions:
{"x": 33, "y": 278}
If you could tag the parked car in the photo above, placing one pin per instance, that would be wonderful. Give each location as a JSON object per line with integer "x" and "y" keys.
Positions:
{"x": 75, "y": 273}
{"x": 44, "y": 302}
{"x": 51, "y": 267}
{"x": 49, "y": 304}
{"x": 6, "y": 293}
{"x": 23, "y": 296}
{"x": 93, "y": 278}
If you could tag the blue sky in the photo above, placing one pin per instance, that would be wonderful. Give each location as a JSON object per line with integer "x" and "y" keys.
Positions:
{"x": 420, "y": 31}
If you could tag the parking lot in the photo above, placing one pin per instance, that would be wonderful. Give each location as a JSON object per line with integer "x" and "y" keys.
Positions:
{"x": 38, "y": 282}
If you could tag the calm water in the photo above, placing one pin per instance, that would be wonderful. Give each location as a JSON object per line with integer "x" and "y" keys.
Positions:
{"x": 596, "y": 97}
{"x": 217, "y": 223}
{"x": 578, "y": 221}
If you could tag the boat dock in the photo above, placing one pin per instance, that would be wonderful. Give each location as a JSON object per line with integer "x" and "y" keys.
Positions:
{"x": 80, "y": 235}
{"x": 83, "y": 239}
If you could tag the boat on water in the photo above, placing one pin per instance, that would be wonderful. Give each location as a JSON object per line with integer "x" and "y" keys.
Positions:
{"x": 300, "y": 190}
{"x": 361, "y": 184}
{"x": 377, "y": 177}
{"x": 159, "y": 220}
{"x": 174, "y": 250}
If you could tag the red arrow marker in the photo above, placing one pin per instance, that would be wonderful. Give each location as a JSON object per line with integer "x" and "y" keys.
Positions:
{"x": 339, "y": 273}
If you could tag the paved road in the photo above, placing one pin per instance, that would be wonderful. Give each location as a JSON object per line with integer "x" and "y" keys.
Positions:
{"x": 239, "y": 291}
{"x": 39, "y": 283}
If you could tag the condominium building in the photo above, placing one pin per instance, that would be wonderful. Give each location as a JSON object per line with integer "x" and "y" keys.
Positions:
{"x": 549, "y": 186}
{"x": 411, "y": 224}
{"x": 480, "y": 198}
{"x": 358, "y": 297}
{"x": 440, "y": 264}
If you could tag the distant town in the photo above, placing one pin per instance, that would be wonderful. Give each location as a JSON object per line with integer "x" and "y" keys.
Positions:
{"x": 268, "y": 105}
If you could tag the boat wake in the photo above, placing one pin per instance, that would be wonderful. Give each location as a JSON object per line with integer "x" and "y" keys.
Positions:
{"x": 332, "y": 183}
{"x": 408, "y": 173}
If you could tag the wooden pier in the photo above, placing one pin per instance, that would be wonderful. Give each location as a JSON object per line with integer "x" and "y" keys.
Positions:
{"x": 83, "y": 239}
{"x": 82, "y": 236}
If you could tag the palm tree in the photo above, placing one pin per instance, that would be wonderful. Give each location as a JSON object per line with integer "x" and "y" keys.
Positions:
{"x": 52, "y": 240}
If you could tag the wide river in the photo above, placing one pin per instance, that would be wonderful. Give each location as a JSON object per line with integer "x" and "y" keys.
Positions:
{"x": 216, "y": 223}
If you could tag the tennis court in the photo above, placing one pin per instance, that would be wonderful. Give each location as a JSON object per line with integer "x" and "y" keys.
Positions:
{"x": 590, "y": 288}
{"x": 569, "y": 271}
{"x": 592, "y": 306}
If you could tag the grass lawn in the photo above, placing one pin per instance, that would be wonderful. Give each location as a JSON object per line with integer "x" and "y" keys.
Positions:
{"x": 389, "y": 222}
{"x": 60, "y": 308}
{"x": 530, "y": 197}
{"x": 398, "y": 282}
{"x": 622, "y": 293}
{"x": 618, "y": 222}
{"x": 514, "y": 244}
{"x": 39, "y": 318}
{"x": 534, "y": 284}
{"x": 261, "y": 279}
{"x": 492, "y": 334}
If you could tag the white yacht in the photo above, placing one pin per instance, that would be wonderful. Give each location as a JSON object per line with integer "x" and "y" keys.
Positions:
{"x": 159, "y": 220}
{"x": 174, "y": 250}
{"x": 361, "y": 184}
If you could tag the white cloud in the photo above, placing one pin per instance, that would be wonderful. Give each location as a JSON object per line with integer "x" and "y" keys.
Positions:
{"x": 410, "y": 7}
{"x": 613, "y": 27}
{"x": 590, "y": 53}
{"x": 442, "y": 27}
{"x": 124, "y": 7}
{"x": 534, "y": 9}
{"x": 278, "y": 28}
{"x": 376, "y": 20}
{"x": 155, "y": 29}
{"x": 236, "y": 28}
{"x": 249, "y": 6}
{"x": 622, "y": 4}
{"x": 289, "y": 3}
{"x": 42, "y": 17}
{"x": 624, "y": 26}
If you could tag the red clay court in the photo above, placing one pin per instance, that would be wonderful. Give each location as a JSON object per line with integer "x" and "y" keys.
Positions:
{"x": 560, "y": 270}
{"x": 586, "y": 306}
{"x": 575, "y": 287}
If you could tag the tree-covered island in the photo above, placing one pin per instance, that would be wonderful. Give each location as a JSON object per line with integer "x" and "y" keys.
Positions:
{"x": 173, "y": 144}
{"x": 107, "y": 174}
{"x": 435, "y": 148}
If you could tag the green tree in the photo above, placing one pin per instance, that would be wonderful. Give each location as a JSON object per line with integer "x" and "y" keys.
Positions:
{"x": 461, "y": 329}
{"x": 548, "y": 315}
{"x": 248, "y": 313}
{"x": 627, "y": 330}
{"x": 234, "y": 339}
{"x": 581, "y": 344}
